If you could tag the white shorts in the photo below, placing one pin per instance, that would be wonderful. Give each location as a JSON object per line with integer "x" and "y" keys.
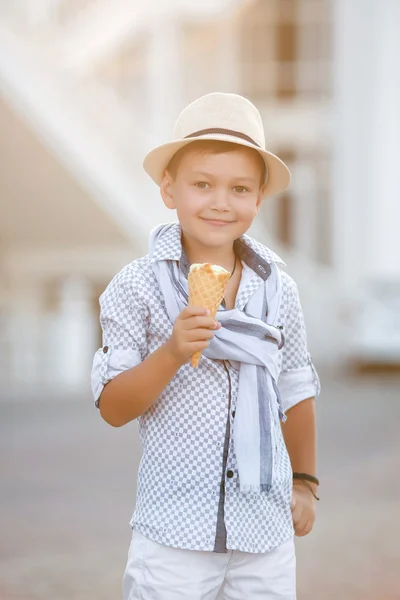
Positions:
{"x": 158, "y": 572}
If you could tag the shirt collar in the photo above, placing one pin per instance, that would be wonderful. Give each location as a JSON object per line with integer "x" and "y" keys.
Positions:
{"x": 261, "y": 250}
{"x": 168, "y": 246}
{"x": 257, "y": 256}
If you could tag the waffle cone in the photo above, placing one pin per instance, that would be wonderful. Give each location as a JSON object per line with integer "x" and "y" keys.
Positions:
{"x": 206, "y": 289}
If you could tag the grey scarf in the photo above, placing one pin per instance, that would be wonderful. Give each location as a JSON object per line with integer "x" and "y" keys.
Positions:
{"x": 246, "y": 339}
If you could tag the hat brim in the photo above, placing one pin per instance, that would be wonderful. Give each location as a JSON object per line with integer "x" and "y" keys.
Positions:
{"x": 157, "y": 160}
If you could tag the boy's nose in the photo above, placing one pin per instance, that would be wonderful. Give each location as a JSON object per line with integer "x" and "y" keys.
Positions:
{"x": 220, "y": 200}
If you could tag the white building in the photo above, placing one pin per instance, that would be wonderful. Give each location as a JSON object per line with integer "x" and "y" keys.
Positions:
{"x": 88, "y": 86}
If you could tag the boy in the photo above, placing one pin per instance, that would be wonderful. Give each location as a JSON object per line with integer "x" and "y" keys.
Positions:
{"x": 222, "y": 488}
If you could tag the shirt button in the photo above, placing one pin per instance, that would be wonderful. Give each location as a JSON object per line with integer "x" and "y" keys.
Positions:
{"x": 105, "y": 349}
{"x": 229, "y": 473}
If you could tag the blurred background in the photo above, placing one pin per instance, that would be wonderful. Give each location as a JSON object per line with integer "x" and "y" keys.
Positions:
{"x": 87, "y": 87}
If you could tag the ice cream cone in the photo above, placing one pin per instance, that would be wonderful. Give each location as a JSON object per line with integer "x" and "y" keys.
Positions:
{"x": 207, "y": 284}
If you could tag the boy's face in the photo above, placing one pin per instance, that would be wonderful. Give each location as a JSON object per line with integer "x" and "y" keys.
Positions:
{"x": 216, "y": 196}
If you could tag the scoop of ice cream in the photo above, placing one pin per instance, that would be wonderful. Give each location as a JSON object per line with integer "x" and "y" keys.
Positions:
{"x": 215, "y": 268}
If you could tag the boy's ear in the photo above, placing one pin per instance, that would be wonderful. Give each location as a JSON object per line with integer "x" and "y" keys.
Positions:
{"x": 166, "y": 190}
{"x": 260, "y": 199}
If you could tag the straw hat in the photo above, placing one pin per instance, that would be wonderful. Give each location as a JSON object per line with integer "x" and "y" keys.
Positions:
{"x": 224, "y": 117}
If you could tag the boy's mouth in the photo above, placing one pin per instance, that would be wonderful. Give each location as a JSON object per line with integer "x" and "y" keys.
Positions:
{"x": 217, "y": 222}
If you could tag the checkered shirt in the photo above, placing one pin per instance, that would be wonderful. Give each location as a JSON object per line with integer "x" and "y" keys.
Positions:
{"x": 188, "y": 467}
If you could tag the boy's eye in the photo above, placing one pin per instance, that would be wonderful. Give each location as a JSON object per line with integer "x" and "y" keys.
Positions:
{"x": 240, "y": 189}
{"x": 202, "y": 185}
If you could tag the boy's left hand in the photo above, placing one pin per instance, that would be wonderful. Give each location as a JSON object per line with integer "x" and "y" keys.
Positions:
{"x": 303, "y": 509}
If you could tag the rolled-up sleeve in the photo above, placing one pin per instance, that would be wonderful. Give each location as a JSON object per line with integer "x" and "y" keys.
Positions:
{"x": 123, "y": 319}
{"x": 298, "y": 379}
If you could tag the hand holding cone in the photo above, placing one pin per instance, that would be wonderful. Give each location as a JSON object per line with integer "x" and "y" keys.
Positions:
{"x": 207, "y": 285}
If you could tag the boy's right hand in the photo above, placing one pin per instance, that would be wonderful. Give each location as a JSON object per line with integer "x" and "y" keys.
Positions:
{"x": 193, "y": 332}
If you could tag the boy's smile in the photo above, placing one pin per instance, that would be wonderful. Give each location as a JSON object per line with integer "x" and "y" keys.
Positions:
{"x": 216, "y": 196}
{"x": 217, "y": 223}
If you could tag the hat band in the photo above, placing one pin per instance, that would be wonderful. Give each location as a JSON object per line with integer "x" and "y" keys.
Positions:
{"x": 217, "y": 130}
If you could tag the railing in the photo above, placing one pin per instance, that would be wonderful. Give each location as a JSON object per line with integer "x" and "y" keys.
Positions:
{"x": 43, "y": 12}
{"x": 118, "y": 122}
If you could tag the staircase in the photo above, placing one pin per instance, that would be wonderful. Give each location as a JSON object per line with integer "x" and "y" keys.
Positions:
{"x": 82, "y": 120}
